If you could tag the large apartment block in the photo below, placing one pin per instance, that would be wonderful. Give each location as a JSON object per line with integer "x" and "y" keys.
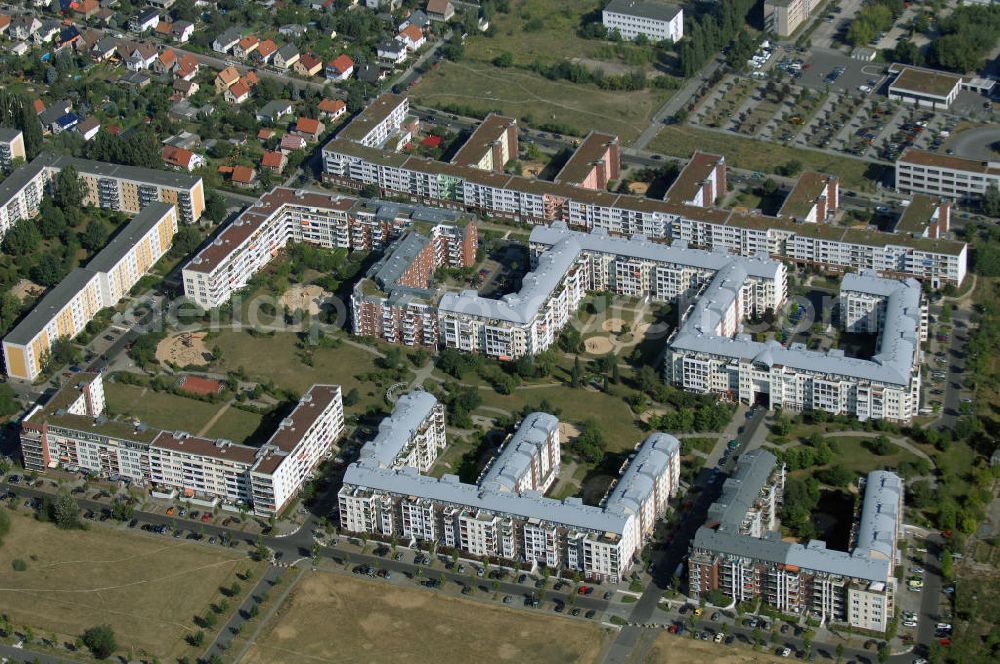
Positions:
{"x": 783, "y": 17}
{"x": 700, "y": 182}
{"x": 569, "y": 263}
{"x": 595, "y": 163}
{"x": 126, "y": 188}
{"x": 396, "y": 301}
{"x": 505, "y": 516}
{"x": 925, "y": 216}
{"x": 491, "y": 145}
{"x": 655, "y": 20}
{"x": 11, "y": 147}
{"x": 353, "y": 164}
{"x": 740, "y": 552}
{"x": 66, "y": 309}
{"x": 284, "y": 215}
{"x": 381, "y": 120}
{"x": 814, "y": 199}
{"x": 72, "y": 429}
{"x": 710, "y": 353}
{"x": 942, "y": 175}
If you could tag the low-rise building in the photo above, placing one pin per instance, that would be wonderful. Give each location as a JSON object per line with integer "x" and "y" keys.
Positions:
{"x": 308, "y": 64}
{"x": 440, "y": 10}
{"x": 227, "y": 39}
{"x": 309, "y": 128}
{"x": 340, "y": 68}
{"x": 925, "y": 87}
{"x": 959, "y": 178}
{"x": 657, "y": 21}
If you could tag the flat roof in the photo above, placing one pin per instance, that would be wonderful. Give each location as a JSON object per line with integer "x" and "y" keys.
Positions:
{"x": 585, "y": 157}
{"x": 492, "y": 129}
{"x": 7, "y": 134}
{"x": 252, "y": 218}
{"x": 917, "y": 216}
{"x": 657, "y": 11}
{"x": 126, "y": 239}
{"x": 54, "y": 301}
{"x": 375, "y": 114}
{"x": 311, "y": 406}
{"x": 217, "y": 449}
{"x": 926, "y": 82}
{"x": 803, "y": 196}
{"x": 689, "y": 180}
{"x": 923, "y": 158}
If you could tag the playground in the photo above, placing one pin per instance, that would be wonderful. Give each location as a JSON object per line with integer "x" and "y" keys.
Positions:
{"x": 184, "y": 349}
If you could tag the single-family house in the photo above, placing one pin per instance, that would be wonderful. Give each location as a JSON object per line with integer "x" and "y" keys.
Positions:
{"x": 166, "y": 61}
{"x": 286, "y": 56}
{"x": 47, "y": 32}
{"x": 185, "y": 111}
{"x": 238, "y": 93}
{"x": 273, "y": 111}
{"x": 274, "y": 162}
{"x": 340, "y": 68}
{"x": 332, "y": 108}
{"x": 104, "y": 16}
{"x": 265, "y": 133}
{"x": 68, "y": 36}
{"x": 369, "y": 73}
{"x": 384, "y": 5}
{"x": 104, "y": 49}
{"x": 226, "y": 79}
{"x": 293, "y": 30}
{"x": 20, "y": 48}
{"x": 180, "y": 158}
{"x": 392, "y": 51}
{"x": 134, "y": 79}
{"x": 65, "y": 123}
{"x": 229, "y": 38}
{"x": 309, "y": 128}
{"x": 413, "y": 37}
{"x": 163, "y": 29}
{"x": 308, "y": 65}
{"x": 181, "y": 31}
{"x": 184, "y": 88}
{"x": 50, "y": 114}
{"x": 24, "y": 27}
{"x": 417, "y": 18}
{"x": 265, "y": 51}
{"x": 89, "y": 128}
{"x": 143, "y": 21}
{"x": 291, "y": 142}
{"x": 4, "y": 24}
{"x": 243, "y": 177}
{"x": 246, "y": 46}
{"x": 141, "y": 56}
{"x": 86, "y": 8}
{"x": 187, "y": 67}
{"x": 440, "y": 10}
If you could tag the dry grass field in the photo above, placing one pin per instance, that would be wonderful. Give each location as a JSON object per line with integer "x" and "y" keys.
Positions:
{"x": 331, "y": 618}
{"x": 670, "y": 649}
{"x": 147, "y": 588}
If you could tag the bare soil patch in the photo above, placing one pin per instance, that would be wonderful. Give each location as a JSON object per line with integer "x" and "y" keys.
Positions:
{"x": 308, "y": 298}
{"x": 184, "y": 349}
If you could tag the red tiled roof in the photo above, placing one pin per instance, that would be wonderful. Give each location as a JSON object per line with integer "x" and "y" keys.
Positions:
{"x": 266, "y": 48}
{"x": 272, "y": 160}
{"x": 342, "y": 63}
{"x": 265, "y": 134}
{"x": 307, "y": 125}
{"x": 411, "y": 32}
{"x": 332, "y": 106}
{"x": 242, "y": 174}
{"x": 176, "y": 156}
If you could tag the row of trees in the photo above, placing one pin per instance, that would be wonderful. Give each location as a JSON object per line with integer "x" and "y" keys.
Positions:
{"x": 708, "y": 32}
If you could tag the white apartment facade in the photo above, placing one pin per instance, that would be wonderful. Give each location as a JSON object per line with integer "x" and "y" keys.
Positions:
{"x": 72, "y": 429}
{"x": 351, "y": 163}
{"x": 499, "y": 518}
{"x": 941, "y": 175}
{"x": 655, "y": 20}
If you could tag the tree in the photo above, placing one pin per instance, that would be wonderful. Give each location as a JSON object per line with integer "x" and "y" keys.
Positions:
{"x": 63, "y": 511}
{"x": 352, "y": 397}
{"x": 839, "y": 651}
{"x": 215, "y": 206}
{"x": 95, "y": 236}
{"x": 991, "y": 201}
{"x": 947, "y": 566}
{"x": 590, "y": 444}
{"x": 576, "y": 376}
{"x": 185, "y": 241}
{"x": 49, "y": 269}
{"x": 8, "y": 402}
{"x": 504, "y": 60}
{"x": 880, "y": 445}
{"x": 69, "y": 189}
{"x": 100, "y": 641}
{"x": 22, "y": 239}
{"x": 122, "y": 510}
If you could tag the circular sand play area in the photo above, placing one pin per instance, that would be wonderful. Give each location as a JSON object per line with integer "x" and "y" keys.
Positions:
{"x": 598, "y": 345}
{"x": 613, "y": 325}
{"x": 306, "y": 298}
{"x": 184, "y": 349}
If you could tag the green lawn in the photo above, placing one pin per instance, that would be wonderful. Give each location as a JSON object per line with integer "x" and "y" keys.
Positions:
{"x": 851, "y": 454}
{"x": 159, "y": 409}
{"x": 750, "y": 154}
{"x": 235, "y": 424}
{"x": 536, "y": 100}
{"x": 276, "y": 357}
{"x": 544, "y": 30}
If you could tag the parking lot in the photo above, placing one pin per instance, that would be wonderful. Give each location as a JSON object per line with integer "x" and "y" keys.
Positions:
{"x": 854, "y": 73}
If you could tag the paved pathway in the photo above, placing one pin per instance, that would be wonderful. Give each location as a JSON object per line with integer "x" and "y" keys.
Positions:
{"x": 215, "y": 418}
{"x": 265, "y": 584}
{"x": 676, "y": 102}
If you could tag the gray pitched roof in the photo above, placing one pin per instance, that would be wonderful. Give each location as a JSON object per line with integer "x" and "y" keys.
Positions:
{"x": 657, "y": 11}
{"x": 514, "y": 461}
{"x": 126, "y": 239}
{"x": 395, "y": 431}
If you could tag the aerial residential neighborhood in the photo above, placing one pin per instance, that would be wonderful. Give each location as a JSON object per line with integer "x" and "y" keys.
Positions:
{"x": 506, "y": 330}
